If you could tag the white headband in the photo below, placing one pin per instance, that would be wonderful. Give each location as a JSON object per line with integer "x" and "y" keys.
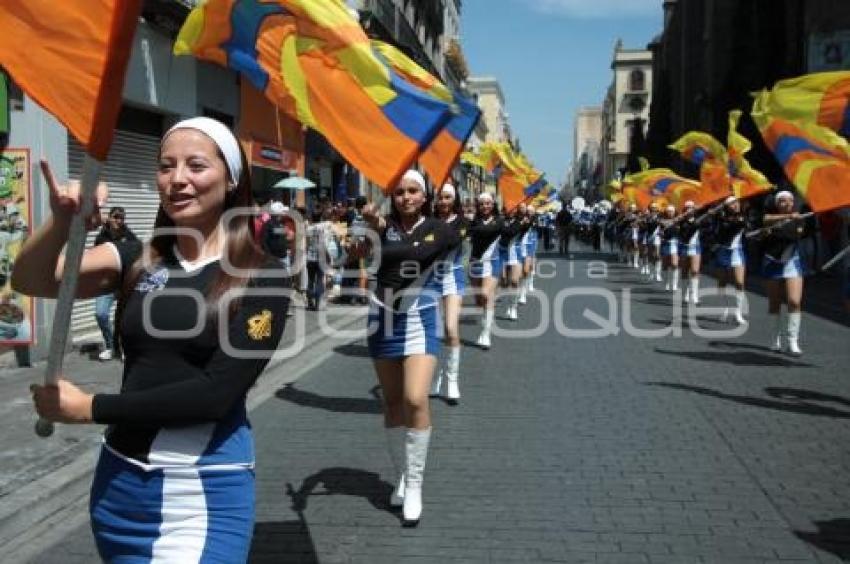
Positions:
{"x": 784, "y": 194}
{"x": 485, "y": 196}
{"x": 450, "y": 189}
{"x": 221, "y": 136}
{"x": 416, "y": 177}
{"x": 690, "y": 204}
{"x": 730, "y": 200}
{"x": 670, "y": 208}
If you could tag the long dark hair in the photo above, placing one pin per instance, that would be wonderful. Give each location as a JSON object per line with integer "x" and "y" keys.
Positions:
{"x": 241, "y": 249}
{"x": 457, "y": 206}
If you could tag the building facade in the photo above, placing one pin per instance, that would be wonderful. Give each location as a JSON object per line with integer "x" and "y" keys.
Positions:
{"x": 586, "y": 166}
{"x": 626, "y": 106}
{"x": 491, "y": 100}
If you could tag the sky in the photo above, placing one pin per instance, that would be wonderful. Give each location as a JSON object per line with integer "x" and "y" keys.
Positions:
{"x": 552, "y": 57}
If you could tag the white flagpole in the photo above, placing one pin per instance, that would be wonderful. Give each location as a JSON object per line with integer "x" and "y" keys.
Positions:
{"x": 68, "y": 286}
{"x": 836, "y": 258}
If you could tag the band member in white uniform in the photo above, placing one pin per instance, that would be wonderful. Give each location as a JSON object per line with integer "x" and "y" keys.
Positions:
{"x": 670, "y": 249}
{"x": 783, "y": 270}
{"x": 485, "y": 266}
{"x": 730, "y": 260}
{"x": 404, "y": 327}
{"x": 453, "y": 276}
{"x": 690, "y": 252}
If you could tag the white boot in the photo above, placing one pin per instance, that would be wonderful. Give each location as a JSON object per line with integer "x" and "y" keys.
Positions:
{"x": 780, "y": 322}
{"x": 739, "y": 307}
{"x": 675, "y": 285}
{"x": 531, "y": 281}
{"x": 668, "y": 280}
{"x": 416, "y": 450}
{"x": 523, "y": 288}
{"x": 687, "y": 297}
{"x": 658, "y": 271}
{"x": 452, "y": 372}
{"x": 694, "y": 285}
{"x": 724, "y": 294}
{"x": 486, "y": 326}
{"x": 395, "y": 446}
{"x": 437, "y": 381}
{"x": 513, "y": 311}
{"x": 635, "y": 259}
{"x": 794, "y": 320}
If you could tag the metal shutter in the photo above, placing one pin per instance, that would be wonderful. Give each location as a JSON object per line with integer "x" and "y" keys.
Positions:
{"x": 130, "y": 172}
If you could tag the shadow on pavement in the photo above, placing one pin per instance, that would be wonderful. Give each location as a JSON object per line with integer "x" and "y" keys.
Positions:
{"x": 343, "y": 481}
{"x": 282, "y": 541}
{"x": 329, "y": 403}
{"x": 832, "y": 536}
{"x": 791, "y": 407}
{"x": 738, "y": 358}
{"x": 353, "y": 349}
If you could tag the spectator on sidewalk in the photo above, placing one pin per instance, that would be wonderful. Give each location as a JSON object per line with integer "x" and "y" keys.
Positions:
{"x": 175, "y": 478}
{"x": 319, "y": 237}
{"x": 115, "y": 231}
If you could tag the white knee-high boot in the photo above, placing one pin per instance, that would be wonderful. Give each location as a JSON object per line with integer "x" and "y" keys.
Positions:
{"x": 395, "y": 446}
{"x": 794, "y": 321}
{"x": 780, "y": 322}
{"x": 416, "y": 450}
{"x": 694, "y": 285}
{"x": 658, "y": 271}
{"x": 452, "y": 373}
{"x": 523, "y": 289}
{"x": 668, "y": 280}
{"x": 531, "y": 279}
{"x": 437, "y": 380}
{"x": 675, "y": 286}
{"x": 739, "y": 307}
{"x": 486, "y": 326}
{"x": 513, "y": 309}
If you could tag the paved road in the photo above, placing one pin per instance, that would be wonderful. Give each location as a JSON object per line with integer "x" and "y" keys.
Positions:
{"x": 614, "y": 449}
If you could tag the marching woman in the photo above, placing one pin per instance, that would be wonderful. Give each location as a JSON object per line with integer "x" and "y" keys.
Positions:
{"x": 404, "y": 327}
{"x": 200, "y": 314}
{"x": 783, "y": 270}
{"x": 509, "y": 252}
{"x": 690, "y": 251}
{"x": 632, "y": 223}
{"x": 485, "y": 265}
{"x": 453, "y": 276}
{"x": 670, "y": 249}
{"x": 729, "y": 260}
{"x": 529, "y": 245}
{"x": 653, "y": 243}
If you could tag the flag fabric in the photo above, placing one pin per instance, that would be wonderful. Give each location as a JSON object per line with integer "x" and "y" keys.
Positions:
{"x": 4, "y": 104}
{"x": 746, "y": 181}
{"x": 441, "y": 155}
{"x": 819, "y": 98}
{"x": 709, "y": 154}
{"x": 314, "y": 61}
{"x": 71, "y": 58}
{"x": 814, "y": 158}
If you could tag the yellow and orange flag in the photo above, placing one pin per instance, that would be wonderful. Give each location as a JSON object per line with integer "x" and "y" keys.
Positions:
{"x": 746, "y": 181}
{"x": 314, "y": 61}
{"x": 71, "y": 58}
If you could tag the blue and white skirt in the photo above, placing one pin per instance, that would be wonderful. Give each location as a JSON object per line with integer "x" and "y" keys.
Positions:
{"x": 690, "y": 250}
{"x": 773, "y": 269}
{"x": 670, "y": 248}
{"x": 729, "y": 257}
{"x": 485, "y": 268}
{"x": 397, "y": 335}
{"x": 454, "y": 281}
{"x": 508, "y": 255}
{"x": 172, "y": 515}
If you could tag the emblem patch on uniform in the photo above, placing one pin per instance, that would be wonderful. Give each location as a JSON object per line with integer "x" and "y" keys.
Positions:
{"x": 152, "y": 281}
{"x": 260, "y": 326}
{"x": 463, "y": 233}
{"x": 429, "y": 238}
{"x": 393, "y": 234}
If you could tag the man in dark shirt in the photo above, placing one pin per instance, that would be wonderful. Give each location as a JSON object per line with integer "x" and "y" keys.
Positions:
{"x": 115, "y": 231}
{"x": 562, "y": 224}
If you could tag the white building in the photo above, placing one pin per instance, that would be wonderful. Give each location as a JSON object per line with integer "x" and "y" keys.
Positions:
{"x": 491, "y": 100}
{"x": 587, "y": 139}
{"x": 628, "y": 99}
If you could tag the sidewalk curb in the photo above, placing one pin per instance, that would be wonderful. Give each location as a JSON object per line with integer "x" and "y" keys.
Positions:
{"x": 53, "y": 505}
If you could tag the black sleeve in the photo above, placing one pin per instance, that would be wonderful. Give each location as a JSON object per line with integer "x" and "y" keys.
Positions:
{"x": 256, "y": 326}
{"x": 129, "y": 252}
{"x": 101, "y": 237}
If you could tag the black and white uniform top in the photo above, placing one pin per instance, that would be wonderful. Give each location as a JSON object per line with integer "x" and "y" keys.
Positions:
{"x": 729, "y": 231}
{"x": 689, "y": 229}
{"x": 407, "y": 277}
{"x": 484, "y": 234}
{"x": 511, "y": 231}
{"x": 670, "y": 232}
{"x": 182, "y": 400}
{"x": 653, "y": 229}
{"x": 781, "y": 243}
{"x": 460, "y": 252}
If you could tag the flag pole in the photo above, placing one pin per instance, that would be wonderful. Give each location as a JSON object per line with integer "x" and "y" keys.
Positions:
{"x": 834, "y": 260}
{"x": 68, "y": 286}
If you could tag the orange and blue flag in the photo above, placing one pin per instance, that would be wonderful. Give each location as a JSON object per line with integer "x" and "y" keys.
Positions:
{"x": 314, "y": 61}
{"x": 814, "y": 158}
{"x": 709, "y": 154}
{"x": 746, "y": 181}
{"x": 442, "y": 154}
{"x": 71, "y": 58}
{"x": 820, "y": 98}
